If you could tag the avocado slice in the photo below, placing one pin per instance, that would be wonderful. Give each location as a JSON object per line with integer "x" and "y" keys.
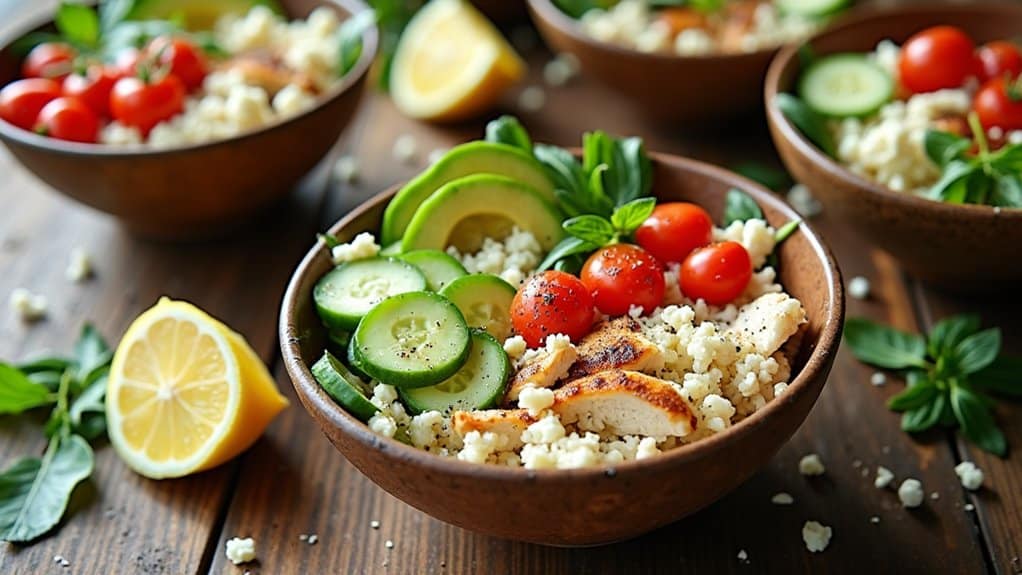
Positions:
{"x": 197, "y": 14}
{"x": 464, "y": 160}
{"x": 464, "y": 212}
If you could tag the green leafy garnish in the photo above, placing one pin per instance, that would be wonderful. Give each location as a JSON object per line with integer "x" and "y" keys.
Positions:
{"x": 984, "y": 177}
{"x": 508, "y": 130}
{"x": 350, "y": 39}
{"x": 739, "y": 206}
{"x": 34, "y": 492}
{"x": 391, "y": 16}
{"x": 78, "y": 23}
{"x": 812, "y": 125}
{"x": 949, "y": 374}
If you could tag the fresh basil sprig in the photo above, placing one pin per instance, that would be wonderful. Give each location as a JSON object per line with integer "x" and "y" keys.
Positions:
{"x": 350, "y": 39}
{"x": 986, "y": 177}
{"x": 508, "y": 130}
{"x": 950, "y": 374}
{"x": 34, "y": 491}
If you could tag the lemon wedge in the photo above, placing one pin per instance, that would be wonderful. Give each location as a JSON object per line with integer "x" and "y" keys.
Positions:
{"x": 186, "y": 393}
{"x": 451, "y": 63}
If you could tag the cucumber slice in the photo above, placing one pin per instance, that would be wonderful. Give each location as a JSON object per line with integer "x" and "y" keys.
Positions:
{"x": 391, "y": 250}
{"x": 845, "y": 85}
{"x": 348, "y": 292}
{"x": 344, "y": 387}
{"x": 337, "y": 341}
{"x": 812, "y": 8}
{"x": 479, "y": 384}
{"x": 811, "y": 124}
{"x": 439, "y": 268}
{"x": 485, "y": 301}
{"x": 412, "y": 340}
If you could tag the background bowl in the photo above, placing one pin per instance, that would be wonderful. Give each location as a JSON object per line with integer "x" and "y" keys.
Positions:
{"x": 957, "y": 247}
{"x": 196, "y": 190}
{"x": 666, "y": 87}
{"x": 597, "y": 505}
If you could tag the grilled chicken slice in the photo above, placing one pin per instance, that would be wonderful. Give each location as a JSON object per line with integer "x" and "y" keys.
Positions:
{"x": 625, "y": 403}
{"x": 265, "y": 72}
{"x": 508, "y": 422}
{"x": 768, "y": 321}
{"x": 543, "y": 371}
{"x": 615, "y": 344}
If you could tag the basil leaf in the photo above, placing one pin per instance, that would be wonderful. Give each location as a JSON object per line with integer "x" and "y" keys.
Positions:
{"x": 508, "y": 130}
{"x": 18, "y": 393}
{"x": 34, "y": 492}
{"x": 631, "y": 169}
{"x": 1003, "y": 376}
{"x": 328, "y": 240}
{"x": 978, "y": 350}
{"x": 786, "y": 231}
{"x": 1008, "y": 159}
{"x": 45, "y": 364}
{"x": 92, "y": 426}
{"x": 571, "y": 264}
{"x": 78, "y": 23}
{"x": 976, "y": 421}
{"x": 91, "y": 400}
{"x": 1007, "y": 191}
{"x": 597, "y": 149}
{"x": 812, "y": 125}
{"x": 884, "y": 346}
{"x": 350, "y": 39}
{"x": 943, "y": 147}
{"x": 563, "y": 170}
{"x": 914, "y": 396}
{"x": 769, "y": 176}
{"x": 627, "y": 218}
{"x": 978, "y": 187}
{"x": 949, "y": 332}
{"x": 569, "y": 246}
{"x": 593, "y": 229}
{"x": 953, "y": 184}
{"x": 739, "y": 207}
{"x": 924, "y": 416}
{"x": 92, "y": 354}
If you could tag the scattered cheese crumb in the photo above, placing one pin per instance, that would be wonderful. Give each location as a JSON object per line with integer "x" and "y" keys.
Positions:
{"x": 782, "y": 498}
{"x": 857, "y": 463}
{"x": 816, "y": 536}
{"x": 313, "y": 539}
{"x": 536, "y": 399}
{"x": 780, "y": 388}
{"x": 884, "y": 477}
{"x": 405, "y": 148}
{"x": 874, "y": 520}
{"x": 303, "y": 537}
{"x": 346, "y": 169}
{"x": 28, "y": 306}
{"x": 389, "y": 544}
{"x": 241, "y": 550}
{"x": 911, "y": 493}
{"x": 79, "y": 266}
{"x": 858, "y": 287}
{"x": 803, "y": 201}
{"x": 969, "y": 507}
{"x": 878, "y": 378}
{"x": 811, "y": 465}
{"x": 742, "y": 555}
{"x": 361, "y": 247}
{"x": 532, "y": 99}
{"x": 970, "y": 475}
{"x": 374, "y": 524}
{"x": 560, "y": 70}
{"x": 935, "y": 496}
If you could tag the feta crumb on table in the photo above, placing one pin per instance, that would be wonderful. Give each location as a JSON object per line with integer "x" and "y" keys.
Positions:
{"x": 532, "y": 99}
{"x": 782, "y": 498}
{"x": 969, "y": 507}
{"x": 911, "y": 493}
{"x": 802, "y": 200}
{"x": 374, "y": 524}
{"x": 811, "y": 465}
{"x": 560, "y": 70}
{"x": 878, "y": 378}
{"x": 858, "y": 288}
{"x": 970, "y": 475}
{"x": 29, "y": 307}
{"x": 389, "y": 544}
{"x": 346, "y": 169}
{"x": 405, "y": 148}
{"x": 816, "y": 536}
{"x": 742, "y": 555}
{"x": 884, "y": 477}
{"x": 240, "y": 550}
{"x": 79, "y": 266}
{"x": 874, "y": 520}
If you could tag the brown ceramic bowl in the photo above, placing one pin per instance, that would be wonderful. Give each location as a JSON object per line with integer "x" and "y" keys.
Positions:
{"x": 958, "y": 247}
{"x": 696, "y": 90}
{"x": 597, "y": 505}
{"x": 197, "y": 190}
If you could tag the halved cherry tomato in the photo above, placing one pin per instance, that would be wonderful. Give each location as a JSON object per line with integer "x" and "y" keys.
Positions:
{"x": 550, "y": 303}
{"x": 93, "y": 87}
{"x": 622, "y": 275}
{"x": 69, "y": 119}
{"x": 135, "y": 102}
{"x": 21, "y": 100}
{"x": 999, "y": 104}
{"x": 673, "y": 230}
{"x": 937, "y": 58}
{"x": 49, "y": 60}
{"x": 1000, "y": 59}
{"x": 717, "y": 273}
{"x": 185, "y": 59}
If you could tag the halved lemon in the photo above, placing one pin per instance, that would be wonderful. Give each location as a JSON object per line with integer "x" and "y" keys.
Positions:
{"x": 186, "y": 393}
{"x": 451, "y": 63}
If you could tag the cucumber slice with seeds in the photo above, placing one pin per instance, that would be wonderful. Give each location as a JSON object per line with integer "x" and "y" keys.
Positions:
{"x": 349, "y": 291}
{"x": 845, "y": 86}
{"x": 344, "y": 387}
{"x": 479, "y": 384}
{"x": 413, "y": 339}
{"x": 439, "y": 268}
{"x": 485, "y": 301}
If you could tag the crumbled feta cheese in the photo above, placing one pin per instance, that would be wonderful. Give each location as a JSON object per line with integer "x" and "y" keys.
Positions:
{"x": 515, "y": 346}
{"x": 780, "y": 388}
{"x": 647, "y": 448}
{"x": 79, "y": 266}
{"x": 970, "y": 475}
{"x": 383, "y": 424}
{"x": 858, "y": 288}
{"x": 479, "y": 447}
{"x": 363, "y": 246}
{"x": 425, "y": 429}
{"x": 969, "y": 507}
{"x": 935, "y": 496}
{"x": 694, "y": 42}
{"x": 405, "y": 148}
{"x": 545, "y": 431}
{"x": 513, "y": 259}
{"x": 374, "y": 524}
{"x": 878, "y": 378}
{"x": 536, "y": 399}
{"x": 559, "y": 71}
{"x": 782, "y": 498}
{"x": 241, "y": 550}
{"x": 532, "y": 99}
{"x": 117, "y": 134}
{"x": 635, "y": 311}
{"x": 291, "y": 100}
{"x": 346, "y": 169}
{"x": 811, "y": 465}
{"x": 802, "y": 200}
{"x": 742, "y": 555}
{"x": 884, "y": 477}
{"x": 28, "y": 306}
{"x": 313, "y": 539}
{"x": 816, "y": 536}
{"x": 911, "y": 493}
{"x": 389, "y": 544}
{"x": 874, "y": 520}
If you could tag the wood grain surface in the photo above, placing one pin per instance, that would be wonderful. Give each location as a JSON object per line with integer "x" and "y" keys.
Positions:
{"x": 293, "y": 483}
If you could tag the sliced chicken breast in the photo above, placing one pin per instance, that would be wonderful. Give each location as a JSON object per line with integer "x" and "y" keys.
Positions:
{"x": 768, "y": 321}
{"x": 508, "y": 422}
{"x": 616, "y": 344}
{"x": 543, "y": 371}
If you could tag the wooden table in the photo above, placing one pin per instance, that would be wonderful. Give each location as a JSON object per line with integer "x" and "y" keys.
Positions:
{"x": 293, "y": 482}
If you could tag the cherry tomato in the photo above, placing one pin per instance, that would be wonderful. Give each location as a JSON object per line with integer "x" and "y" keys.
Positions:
{"x": 937, "y": 58}
{"x": 550, "y": 303}
{"x": 622, "y": 275}
{"x": 998, "y": 104}
{"x": 717, "y": 273}
{"x": 673, "y": 230}
{"x": 135, "y": 102}
{"x": 69, "y": 119}
{"x": 93, "y": 87}
{"x": 21, "y": 100}
{"x": 49, "y": 60}
{"x": 1000, "y": 59}
{"x": 185, "y": 59}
